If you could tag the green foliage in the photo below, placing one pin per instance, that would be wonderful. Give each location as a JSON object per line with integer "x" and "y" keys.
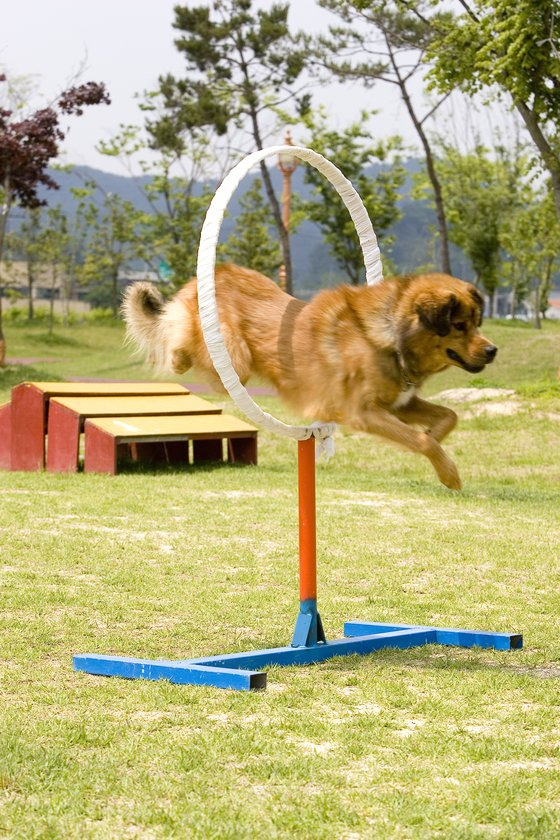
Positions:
{"x": 480, "y": 193}
{"x": 531, "y": 237}
{"x": 251, "y": 243}
{"x": 17, "y": 316}
{"x": 352, "y": 152}
{"x": 170, "y": 230}
{"x": 114, "y": 241}
{"x": 238, "y": 60}
{"x": 241, "y": 65}
{"x": 514, "y": 48}
{"x": 385, "y": 41}
{"x": 172, "y": 235}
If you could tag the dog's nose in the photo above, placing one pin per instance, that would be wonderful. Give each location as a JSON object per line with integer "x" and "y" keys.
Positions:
{"x": 491, "y": 351}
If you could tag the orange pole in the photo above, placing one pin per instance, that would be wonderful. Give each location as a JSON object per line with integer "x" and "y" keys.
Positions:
{"x": 307, "y": 520}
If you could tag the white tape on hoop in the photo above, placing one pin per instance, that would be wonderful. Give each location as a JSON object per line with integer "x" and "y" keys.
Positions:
{"x": 207, "y": 305}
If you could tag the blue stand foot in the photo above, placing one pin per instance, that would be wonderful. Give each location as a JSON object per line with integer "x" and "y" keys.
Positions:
{"x": 241, "y": 671}
{"x": 309, "y": 627}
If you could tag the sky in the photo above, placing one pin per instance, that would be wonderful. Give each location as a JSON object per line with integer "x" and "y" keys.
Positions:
{"x": 127, "y": 44}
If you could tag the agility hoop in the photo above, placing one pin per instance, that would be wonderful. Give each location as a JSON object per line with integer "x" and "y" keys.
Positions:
{"x": 309, "y": 643}
{"x": 207, "y": 304}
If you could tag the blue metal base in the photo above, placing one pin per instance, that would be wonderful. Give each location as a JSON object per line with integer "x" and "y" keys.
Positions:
{"x": 309, "y": 627}
{"x": 239, "y": 670}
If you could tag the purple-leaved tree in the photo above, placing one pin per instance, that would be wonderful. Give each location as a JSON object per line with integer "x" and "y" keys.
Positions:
{"x": 27, "y": 147}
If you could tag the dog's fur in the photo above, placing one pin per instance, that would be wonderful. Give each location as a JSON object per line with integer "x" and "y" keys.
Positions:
{"x": 353, "y": 355}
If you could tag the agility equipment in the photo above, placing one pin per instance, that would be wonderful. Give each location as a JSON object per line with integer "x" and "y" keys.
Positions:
{"x": 167, "y": 439}
{"x": 309, "y": 643}
{"x": 151, "y": 422}
{"x": 68, "y": 415}
{"x": 23, "y": 421}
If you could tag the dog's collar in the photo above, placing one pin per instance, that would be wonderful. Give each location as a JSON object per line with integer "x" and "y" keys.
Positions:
{"x": 407, "y": 376}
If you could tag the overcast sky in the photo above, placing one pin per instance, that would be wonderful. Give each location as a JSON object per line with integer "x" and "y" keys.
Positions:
{"x": 127, "y": 44}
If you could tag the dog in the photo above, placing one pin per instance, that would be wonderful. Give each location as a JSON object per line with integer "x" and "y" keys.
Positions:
{"x": 354, "y": 355}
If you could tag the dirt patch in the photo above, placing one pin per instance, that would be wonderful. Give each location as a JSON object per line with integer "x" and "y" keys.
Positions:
{"x": 489, "y": 402}
{"x": 471, "y": 395}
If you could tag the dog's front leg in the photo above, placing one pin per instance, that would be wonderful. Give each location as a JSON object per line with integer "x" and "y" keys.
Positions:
{"x": 381, "y": 422}
{"x": 437, "y": 420}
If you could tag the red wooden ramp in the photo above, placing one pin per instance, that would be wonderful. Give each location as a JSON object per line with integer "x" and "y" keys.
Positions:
{"x": 44, "y": 421}
{"x": 30, "y": 406}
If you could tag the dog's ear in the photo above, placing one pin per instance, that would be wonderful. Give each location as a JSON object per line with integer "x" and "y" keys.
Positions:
{"x": 435, "y": 312}
{"x": 479, "y": 301}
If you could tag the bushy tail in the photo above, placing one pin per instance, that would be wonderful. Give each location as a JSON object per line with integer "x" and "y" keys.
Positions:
{"x": 142, "y": 308}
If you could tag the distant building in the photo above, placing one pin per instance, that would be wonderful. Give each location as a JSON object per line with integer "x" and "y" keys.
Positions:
{"x": 553, "y": 311}
{"x": 14, "y": 286}
{"x": 125, "y": 278}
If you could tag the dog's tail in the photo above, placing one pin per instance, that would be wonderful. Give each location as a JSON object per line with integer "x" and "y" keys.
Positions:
{"x": 142, "y": 308}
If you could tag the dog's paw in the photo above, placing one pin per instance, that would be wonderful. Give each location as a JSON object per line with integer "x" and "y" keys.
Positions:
{"x": 448, "y": 474}
{"x": 452, "y": 479}
{"x": 446, "y": 470}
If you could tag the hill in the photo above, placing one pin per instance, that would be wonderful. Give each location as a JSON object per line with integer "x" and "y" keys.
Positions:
{"x": 313, "y": 264}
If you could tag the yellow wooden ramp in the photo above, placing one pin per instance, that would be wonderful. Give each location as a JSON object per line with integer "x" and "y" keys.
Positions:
{"x": 166, "y": 438}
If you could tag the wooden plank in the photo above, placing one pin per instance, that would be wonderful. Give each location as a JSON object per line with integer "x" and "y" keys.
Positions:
{"x": 118, "y": 406}
{"x": 28, "y": 427}
{"x": 64, "y": 432}
{"x": 30, "y": 401}
{"x": 100, "y": 451}
{"x": 85, "y": 389}
{"x": 154, "y": 427}
{"x": 5, "y": 436}
{"x": 145, "y": 434}
{"x": 63, "y": 440}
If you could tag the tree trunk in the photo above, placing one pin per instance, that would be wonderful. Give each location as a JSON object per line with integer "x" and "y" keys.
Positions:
{"x": 115, "y": 292}
{"x": 548, "y": 155}
{"x": 30, "y": 282}
{"x": 445, "y": 259}
{"x": 3, "y": 222}
{"x": 51, "y": 302}
{"x": 537, "y": 318}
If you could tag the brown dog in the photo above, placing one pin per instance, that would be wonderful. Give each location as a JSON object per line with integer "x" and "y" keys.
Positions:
{"x": 353, "y": 355}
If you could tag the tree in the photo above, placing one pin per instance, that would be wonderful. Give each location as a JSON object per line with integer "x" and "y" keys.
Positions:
{"x": 514, "y": 47}
{"x": 352, "y": 154}
{"x": 175, "y": 187}
{"x": 241, "y": 64}
{"x": 480, "y": 193}
{"x": 531, "y": 238}
{"x": 393, "y": 43}
{"x": 25, "y": 243}
{"x": 114, "y": 241}
{"x": 27, "y": 147}
{"x": 251, "y": 243}
{"x": 52, "y": 249}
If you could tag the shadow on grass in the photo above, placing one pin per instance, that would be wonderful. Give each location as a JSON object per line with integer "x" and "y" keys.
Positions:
{"x": 206, "y": 467}
{"x": 11, "y": 375}
{"x": 54, "y": 340}
{"x": 441, "y": 658}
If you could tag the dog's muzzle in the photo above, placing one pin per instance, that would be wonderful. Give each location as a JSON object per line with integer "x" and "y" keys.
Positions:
{"x": 489, "y": 351}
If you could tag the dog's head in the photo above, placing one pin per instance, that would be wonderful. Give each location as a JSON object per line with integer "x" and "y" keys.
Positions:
{"x": 450, "y": 312}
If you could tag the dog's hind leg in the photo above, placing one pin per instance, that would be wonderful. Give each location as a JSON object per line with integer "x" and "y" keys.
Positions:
{"x": 239, "y": 354}
{"x": 437, "y": 420}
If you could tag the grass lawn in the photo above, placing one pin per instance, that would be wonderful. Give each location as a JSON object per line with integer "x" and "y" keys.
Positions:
{"x": 430, "y": 742}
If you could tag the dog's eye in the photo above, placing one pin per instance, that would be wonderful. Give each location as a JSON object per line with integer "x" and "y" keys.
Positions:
{"x": 461, "y": 326}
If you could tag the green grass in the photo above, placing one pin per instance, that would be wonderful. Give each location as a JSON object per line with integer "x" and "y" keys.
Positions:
{"x": 426, "y": 743}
